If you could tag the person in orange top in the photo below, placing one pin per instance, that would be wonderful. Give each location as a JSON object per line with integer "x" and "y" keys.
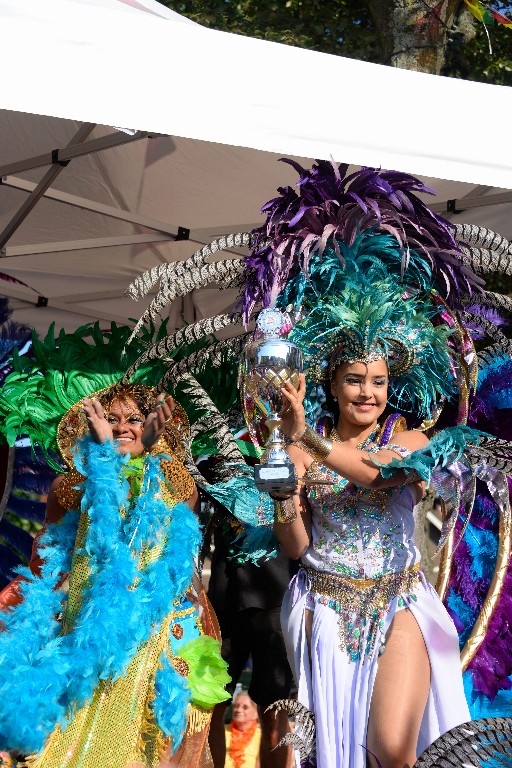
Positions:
{"x": 243, "y": 734}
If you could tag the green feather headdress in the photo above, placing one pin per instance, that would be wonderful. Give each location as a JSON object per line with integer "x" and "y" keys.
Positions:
{"x": 59, "y": 371}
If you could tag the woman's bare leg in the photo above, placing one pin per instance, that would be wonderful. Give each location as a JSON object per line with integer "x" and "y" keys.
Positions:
{"x": 399, "y": 695}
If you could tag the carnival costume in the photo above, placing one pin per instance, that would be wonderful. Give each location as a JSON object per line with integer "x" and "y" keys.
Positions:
{"x": 124, "y": 669}
{"x": 366, "y": 271}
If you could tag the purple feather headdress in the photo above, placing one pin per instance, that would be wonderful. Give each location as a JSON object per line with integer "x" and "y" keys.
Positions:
{"x": 330, "y": 207}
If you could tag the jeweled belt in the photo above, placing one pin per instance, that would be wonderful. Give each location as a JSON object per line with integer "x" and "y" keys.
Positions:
{"x": 363, "y": 595}
{"x": 361, "y": 602}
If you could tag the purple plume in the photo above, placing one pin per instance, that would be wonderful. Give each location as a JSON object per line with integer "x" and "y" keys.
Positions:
{"x": 491, "y": 666}
{"x": 329, "y": 207}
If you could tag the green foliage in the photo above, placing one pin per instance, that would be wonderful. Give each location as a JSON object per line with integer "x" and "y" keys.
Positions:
{"x": 340, "y": 27}
{"x": 473, "y": 61}
{"x": 347, "y": 29}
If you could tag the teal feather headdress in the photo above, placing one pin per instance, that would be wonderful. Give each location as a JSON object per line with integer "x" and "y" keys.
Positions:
{"x": 359, "y": 311}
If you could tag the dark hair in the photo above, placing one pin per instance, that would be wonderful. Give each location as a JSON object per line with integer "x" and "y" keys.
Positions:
{"x": 330, "y": 405}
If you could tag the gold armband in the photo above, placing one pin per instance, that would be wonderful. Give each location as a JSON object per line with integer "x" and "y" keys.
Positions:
{"x": 319, "y": 447}
{"x": 284, "y": 511}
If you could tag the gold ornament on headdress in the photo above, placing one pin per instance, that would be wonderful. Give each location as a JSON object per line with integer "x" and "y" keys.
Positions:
{"x": 73, "y": 424}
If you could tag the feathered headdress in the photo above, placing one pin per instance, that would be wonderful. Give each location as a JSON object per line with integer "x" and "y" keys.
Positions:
{"x": 353, "y": 312}
{"x": 336, "y": 235}
{"x": 40, "y": 398}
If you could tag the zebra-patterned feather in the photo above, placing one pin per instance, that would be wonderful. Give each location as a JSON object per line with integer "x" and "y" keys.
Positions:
{"x": 222, "y": 436}
{"x": 481, "y": 237}
{"x": 304, "y": 740}
{"x": 489, "y": 328}
{"x": 487, "y": 355}
{"x": 188, "y": 335}
{"x": 143, "y": 283}
{"x": 214, "y": 355}
{"x": 478, "y": 743}
{"x": 226, "y": 274}
{"x": 483, "y": 261}
{"x": 497, "y": 454}
{"x": 491, "y": 299}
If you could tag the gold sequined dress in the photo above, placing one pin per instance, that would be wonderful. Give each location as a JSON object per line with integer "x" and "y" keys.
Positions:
{"x": 116, "y": 729}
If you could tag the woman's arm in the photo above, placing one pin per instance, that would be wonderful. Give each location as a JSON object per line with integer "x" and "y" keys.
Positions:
{"x": 357, "y": 466}
{"x": 294, "y": 537}
{"x": 353, "y": 464}
{"x": 194, "y": 501}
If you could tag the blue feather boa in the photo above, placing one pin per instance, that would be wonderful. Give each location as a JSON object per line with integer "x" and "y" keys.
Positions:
{"x": 44, "y": 674}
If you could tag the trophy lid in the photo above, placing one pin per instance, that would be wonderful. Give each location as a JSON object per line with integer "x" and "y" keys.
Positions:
{"x": 270, "y": 321}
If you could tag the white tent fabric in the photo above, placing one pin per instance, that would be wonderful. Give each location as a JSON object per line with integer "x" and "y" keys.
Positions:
{"x": 114, "y": 63}
{"x": 107, "y": 215}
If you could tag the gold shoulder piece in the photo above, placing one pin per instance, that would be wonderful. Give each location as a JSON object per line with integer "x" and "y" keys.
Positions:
{"x": 66, "y": 493}
{"x": 400, "y": 425}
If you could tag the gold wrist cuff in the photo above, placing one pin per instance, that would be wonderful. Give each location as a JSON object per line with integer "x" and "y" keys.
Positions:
{"x": 284, "y": 511}
{"x": 319, "y": 447}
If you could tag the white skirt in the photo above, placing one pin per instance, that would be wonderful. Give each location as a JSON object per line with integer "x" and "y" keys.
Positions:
{"x": 338, "y": 690}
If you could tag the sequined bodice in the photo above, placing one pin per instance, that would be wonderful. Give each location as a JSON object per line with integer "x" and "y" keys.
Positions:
{"x": 358, "y": 532}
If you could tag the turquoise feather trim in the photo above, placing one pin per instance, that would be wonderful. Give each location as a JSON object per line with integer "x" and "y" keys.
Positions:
{"x": 114, "y": 619}
{"x": 30, "y": 644}
{"x": 444, "y": 449}
{"x": 253, "y": 510}
{"x": 172, "y": 698}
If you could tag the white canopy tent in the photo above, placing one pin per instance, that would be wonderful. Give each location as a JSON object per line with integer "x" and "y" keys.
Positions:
{"x": 85, "y": 208}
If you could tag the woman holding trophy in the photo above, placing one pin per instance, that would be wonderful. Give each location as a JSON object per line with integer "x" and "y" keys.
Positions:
{"x": 374, "y": 281}
{"x": 383, "y": 652}
{"x": 384, "y": 305}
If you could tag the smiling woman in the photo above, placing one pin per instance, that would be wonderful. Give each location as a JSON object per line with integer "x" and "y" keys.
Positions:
{"x": 360, "y": 264}
{"x": 361, "y": 391}
{"x": 123, "y": 668}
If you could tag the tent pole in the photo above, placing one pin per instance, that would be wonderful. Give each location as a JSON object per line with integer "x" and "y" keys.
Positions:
{"x": 21, "y": 214}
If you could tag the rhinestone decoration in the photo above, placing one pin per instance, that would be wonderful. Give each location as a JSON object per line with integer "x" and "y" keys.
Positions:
{"x": 177, "y": 631}
{"x": 181, "y": 666}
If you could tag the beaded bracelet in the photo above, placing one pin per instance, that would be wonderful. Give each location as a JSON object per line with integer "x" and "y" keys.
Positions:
{"x": 284, "y": 511}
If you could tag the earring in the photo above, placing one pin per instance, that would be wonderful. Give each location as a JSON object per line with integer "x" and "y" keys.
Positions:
{"x": 335, "y": 398}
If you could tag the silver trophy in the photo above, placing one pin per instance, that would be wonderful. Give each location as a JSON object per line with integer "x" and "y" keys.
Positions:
{"x": 267, "y": 364}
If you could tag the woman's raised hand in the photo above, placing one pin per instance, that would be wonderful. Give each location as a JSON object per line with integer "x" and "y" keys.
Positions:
{"x": 100, "y": 429}
{"x": 292, "y": 414}
{"x": 156, "y": 421}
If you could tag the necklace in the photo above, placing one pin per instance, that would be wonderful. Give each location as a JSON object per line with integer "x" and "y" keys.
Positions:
{"x": 360, "y": 446}
{"x": 357, "y": 495}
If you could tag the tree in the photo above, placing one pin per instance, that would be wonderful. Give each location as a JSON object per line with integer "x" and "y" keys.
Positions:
{"x": 437, "y": 36}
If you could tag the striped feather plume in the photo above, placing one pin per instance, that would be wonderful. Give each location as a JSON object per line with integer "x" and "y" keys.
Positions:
{"x": 487, "y": 355}
{"x": 483, "y": 250}
{"x": 494, "y": 452}
{"x": 191, "y": 334}
{"x": 180, "y": 278}
{"x": 481, "y": 237}
{"x": 202, "y": 409}
{"x": 491, "y": 299}
{"x": 214, "y": 356}
{"x": 330, "y": 207}
{"x": 487, "y": 327}
{"x": 482, "y": 743}
{"x": 304, "y": 737}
